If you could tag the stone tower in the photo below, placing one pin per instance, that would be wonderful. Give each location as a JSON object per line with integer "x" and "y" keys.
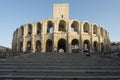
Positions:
{"x": 61, "y": 11}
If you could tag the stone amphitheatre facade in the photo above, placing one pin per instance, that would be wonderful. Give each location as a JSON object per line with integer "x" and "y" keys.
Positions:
{"x": 60, "y": 32}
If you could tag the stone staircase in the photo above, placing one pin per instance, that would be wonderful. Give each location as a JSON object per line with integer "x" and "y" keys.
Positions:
{"x": 65, "y": 66}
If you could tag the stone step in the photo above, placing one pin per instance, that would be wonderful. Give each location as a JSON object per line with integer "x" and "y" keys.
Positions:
{"x": 60, "y": 72}
{"x": 64, "y": 60}
{"x": 59, "y": 67}
{"x": 59, "y": 64}
{"x": 60, "y": 60}
{"x": 60, "y": 77}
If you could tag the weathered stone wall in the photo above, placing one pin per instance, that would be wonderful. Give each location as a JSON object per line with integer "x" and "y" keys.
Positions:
{"x": 20, "y": 41}
{"x": 60, "y": 32}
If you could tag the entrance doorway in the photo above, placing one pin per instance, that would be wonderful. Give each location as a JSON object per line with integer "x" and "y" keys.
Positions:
{"x": 49, "y": 45}
{"x": 86, "y": 44}
{"x": 95, "y": 46}
{"x": 29, "y": 46}
{"x": 62, "y": 44}
{"x": 38, "y": 46}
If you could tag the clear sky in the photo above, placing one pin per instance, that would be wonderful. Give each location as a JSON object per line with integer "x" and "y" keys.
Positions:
{"x": 14, "y": 13}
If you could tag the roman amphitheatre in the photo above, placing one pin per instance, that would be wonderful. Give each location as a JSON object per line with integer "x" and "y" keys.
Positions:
{"x": 60, "y": 32}
{"x": 37, "y": 47}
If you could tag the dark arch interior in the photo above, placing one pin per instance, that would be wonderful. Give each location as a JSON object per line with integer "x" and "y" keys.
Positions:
{"x": 75, "y": 42}
{"x": 95, "y": 44}
{"x": 86, "y": 44}
{"x": 22, "y": 30}
{"x": 74, "y": 26}
{"x": 62, "y": 26}
{"x": 62, "y": 44}
{"x": 38, "y": 46}
{"x": 50, "y": 27}
{"x": 86, "y": 28}
{"x": 30, "y": 29}
{"x": 95, "y": 29}
{"x": 15, "y": 46}
{"x": 49, "y": 45}
{"x": 29, "y": 46}
{"x": 102, "y": 47}
{"x": 38, "y": 28}
{"x": 75, "y": 45}
{"x": 21, "y": 47}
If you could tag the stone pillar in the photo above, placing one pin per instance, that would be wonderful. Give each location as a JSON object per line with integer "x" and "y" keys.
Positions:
{"x": 24, "y": 38}
{"x": 91, "y": 37}
{"x": 43, "y": 41}
{"x": 24, "y": 44}
{"x": 69, "y": 46}
{"x": 55, "y": 46}
{"x": 80, "y": 41}
{"x": 33, "y": 43}
{"x": 68, "y": 38}
{"x": 81, "y": 36}
{"x": 34, "y": 38}
{"x": 43, "y": 44}
{"x": 56, "y": 26}
{"x": 18, "y": 36}
{"x": 99, "y": 48}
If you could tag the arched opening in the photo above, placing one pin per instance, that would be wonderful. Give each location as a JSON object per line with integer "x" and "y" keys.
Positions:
{"x": 62, "y": 26}
{"x": 21, "y": 47}
{"x": 16, "y": 34}
{"x": 38, "y": 46}
{"x": 75, "y": 26}
{"x": 75, "y": 45}
{"x": 49, "y": 27}
{"x": 107, "y": 48}
{"x": 95, "y": 29}
{"x": 102, "y": 47}
{"x": 29, "y": 46}
{"x": 15, "y": 47}
{"x": 39, "y": 28}
{"x": 49, "y": 45}
{"x": 22, "y": 30}
{"x": 62, "y": 44}
{"x": 29, "y": 29}
{"x": 86, "y": 27}
{"x": 101, "y": 31}
{"x": 95, "y": 46}
{"x": 86, "y": 44}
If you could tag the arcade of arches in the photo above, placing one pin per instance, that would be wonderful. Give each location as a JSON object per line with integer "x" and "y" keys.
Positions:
{"x": 60, "y": 32}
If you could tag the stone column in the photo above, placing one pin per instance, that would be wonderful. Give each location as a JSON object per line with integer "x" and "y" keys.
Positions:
{"x": 55, "y": 36}
{"x": 24, "y": 38}
{"x": 55, "y": 43}
{"x": 99, "y": 48}
{"x": 18, "y": 36}
{"x": 43, "y": 44}
{"x": 80, "y": 46}
{"x": 33, "y": 43}
{"x": 68, "y": 37}
{"x": 43, "y": 41}
{"x": 81, "y": 35}
{"x": 24, "y": 44}
{"x": 69, "y": 46}
{"x": 91, "y": 38}
{"x": 34, "y": 38}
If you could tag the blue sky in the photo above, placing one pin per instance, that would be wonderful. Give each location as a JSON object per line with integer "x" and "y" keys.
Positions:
{"x": 14, "y": 13}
